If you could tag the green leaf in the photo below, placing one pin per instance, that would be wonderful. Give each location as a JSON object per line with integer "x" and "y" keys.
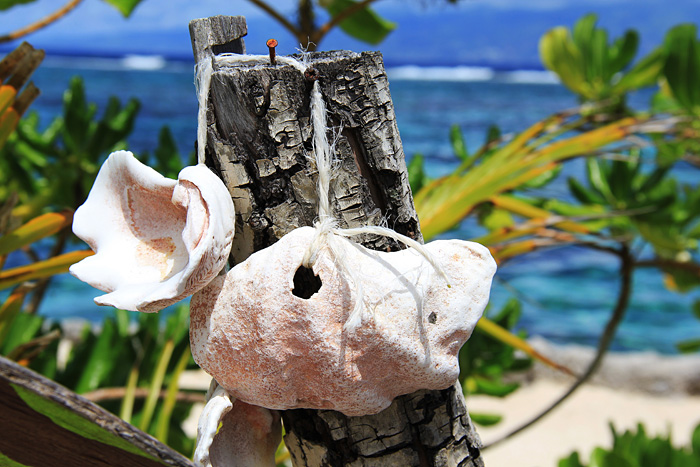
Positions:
{"x": 23, "y": 329}
{"x": 7, "y": 4}
{"x": 493, "y": 218}
{"x": 623, "y": 50}
{"x": 689, "y": 345}
{"x": 125, "y": 7}
{"x": 559, "y": 54}
{"x": 643, "y": 74}
{"x": 696, "y": 309}
{"x": 485, "y": 419}
{"x": 459, "y": 146}
{"x": 102, "y": 359}
{"x": 416, "y": 173}
{"x": 495, "y": 388}
{"x": 544, "y": 179}
{"x": 364, "y": 25}
{"x": 36, "y": 229}
{"x": 695, "y": 441}
{"x": 682, "y": 67}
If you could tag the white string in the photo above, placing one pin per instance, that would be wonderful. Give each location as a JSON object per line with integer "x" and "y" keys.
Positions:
{"x": 327, "y": 232}
{"x": 203, "y": 71}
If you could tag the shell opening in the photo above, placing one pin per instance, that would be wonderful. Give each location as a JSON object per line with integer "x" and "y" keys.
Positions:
{"x": 306, "y": 283}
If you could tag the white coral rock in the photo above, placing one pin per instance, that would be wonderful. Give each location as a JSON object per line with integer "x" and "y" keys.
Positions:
{"x": 268, "y": 347}
{"x": 156, "y": 240}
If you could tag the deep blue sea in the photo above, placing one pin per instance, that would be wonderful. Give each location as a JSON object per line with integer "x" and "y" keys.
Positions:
{"x": 567, "y": 293}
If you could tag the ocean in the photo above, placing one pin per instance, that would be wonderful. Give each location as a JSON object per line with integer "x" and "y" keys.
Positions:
{"x": 567, "y": 293}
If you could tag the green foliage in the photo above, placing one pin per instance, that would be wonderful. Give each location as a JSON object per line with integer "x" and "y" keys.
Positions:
{"x": 59, "y": 164}
{"x": 156, "y": 354}
{"x": 417, "y": 177}
{"x": 682, "y": 67}
{"x": 651, "y": 205}
{"x": 365, "y": 24}
{"x": 125, "y": 7}
{"x": 7, "y": 4}
{"x": 484, "y": 361}
{"x": 593, "y": 68}
{"x": 632, "y": 449}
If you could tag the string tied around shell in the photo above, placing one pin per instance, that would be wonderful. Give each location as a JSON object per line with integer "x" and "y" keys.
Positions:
{"x": 326, "y": 226}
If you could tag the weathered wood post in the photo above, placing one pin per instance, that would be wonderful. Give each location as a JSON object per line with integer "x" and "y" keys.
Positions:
{"x": 258, "y": 139}
{"x": 43, "y": 423}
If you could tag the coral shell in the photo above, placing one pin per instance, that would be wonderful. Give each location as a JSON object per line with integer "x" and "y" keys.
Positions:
{"x": 156, "y": 240}
{"x": 271, "y": 348}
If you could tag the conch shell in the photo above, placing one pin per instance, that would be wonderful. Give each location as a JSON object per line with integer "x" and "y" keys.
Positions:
{"x": 156, "y": 240}
{"x": 269, "y": 347}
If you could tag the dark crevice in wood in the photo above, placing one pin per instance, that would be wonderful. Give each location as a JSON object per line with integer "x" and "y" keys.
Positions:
{"x": 233, "y": 47}
{"x": 358, "y": 151}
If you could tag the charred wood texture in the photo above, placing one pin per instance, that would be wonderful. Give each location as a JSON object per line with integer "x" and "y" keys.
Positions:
{"x": 259, "y": 140}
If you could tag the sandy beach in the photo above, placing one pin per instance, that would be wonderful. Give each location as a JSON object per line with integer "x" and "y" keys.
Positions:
{"x": 580, "y": 423}
{"x": 659, "y": 391}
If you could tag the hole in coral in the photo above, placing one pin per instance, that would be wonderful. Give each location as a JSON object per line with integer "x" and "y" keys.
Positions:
{"x": 432, "y": 318}
{"x": 306, "y": 283}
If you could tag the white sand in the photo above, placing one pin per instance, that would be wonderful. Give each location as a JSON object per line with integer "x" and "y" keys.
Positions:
{"x": 580, "y": 423}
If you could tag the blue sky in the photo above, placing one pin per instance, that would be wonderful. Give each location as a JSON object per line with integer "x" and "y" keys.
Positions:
{"x": 429, "y": 32}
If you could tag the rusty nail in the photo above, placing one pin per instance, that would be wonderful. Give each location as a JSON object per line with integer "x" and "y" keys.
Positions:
{"x": 271, "y": 44}
{"x": 311, "y": 74}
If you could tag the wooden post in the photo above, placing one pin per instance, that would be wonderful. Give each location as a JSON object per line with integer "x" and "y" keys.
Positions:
{"x": 258, "y": 140}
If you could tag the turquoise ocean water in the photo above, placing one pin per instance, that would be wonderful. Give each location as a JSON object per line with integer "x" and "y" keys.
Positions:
{"x": 567, "y": 293}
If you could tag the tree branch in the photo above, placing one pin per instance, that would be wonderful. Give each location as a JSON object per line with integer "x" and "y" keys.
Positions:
{"x": 663, "y": 263}
{"x": 276, "y": 15}
{"x": 42, "y": 23}
{"x": 339, "y": 18}
{"x": 627, "y": 265}
{"x": 105, "y": 394}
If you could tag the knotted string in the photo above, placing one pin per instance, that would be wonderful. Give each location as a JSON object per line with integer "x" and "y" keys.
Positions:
{"x": 327, "y": 231}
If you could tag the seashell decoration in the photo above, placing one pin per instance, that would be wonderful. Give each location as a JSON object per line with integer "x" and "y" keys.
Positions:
{"x": 232, "y": 433}
{"x": 156, "y": 240}
{"x": 269, "y": 347}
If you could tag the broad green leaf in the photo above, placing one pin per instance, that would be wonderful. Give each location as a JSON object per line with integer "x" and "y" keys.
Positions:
{"x": 494, "y": 218}
{"x": 572, "y": 461}
{"x": 102, "y": 359}
{"x": 682, "y": 67}
{"x": 8, "y": 312}
{"x": 364, "y": 25}
{"x": 7, "y": 4}
{"x": 36, "y": 229}
{"x": 623, "y": 51}
{"x": 643, "y": 74}
{"x": 23, "y": 329}
{"x": 494, "y": 388}
{"x": 125, "y": 7}
{"x": 560, "y": 54}
{"x": 485, "y": 419}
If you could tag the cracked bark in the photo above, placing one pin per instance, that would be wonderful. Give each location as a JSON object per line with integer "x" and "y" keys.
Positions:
{"x": 259, "y": 141}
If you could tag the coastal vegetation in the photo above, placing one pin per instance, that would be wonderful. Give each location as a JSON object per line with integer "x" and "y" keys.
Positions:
{"x": 629, "y": 204}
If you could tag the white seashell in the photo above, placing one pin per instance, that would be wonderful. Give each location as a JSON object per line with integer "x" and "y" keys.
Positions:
{"x": 231, "y": 433}
{"x": 156, "y": 240}
{"x": 271, "y": 348}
